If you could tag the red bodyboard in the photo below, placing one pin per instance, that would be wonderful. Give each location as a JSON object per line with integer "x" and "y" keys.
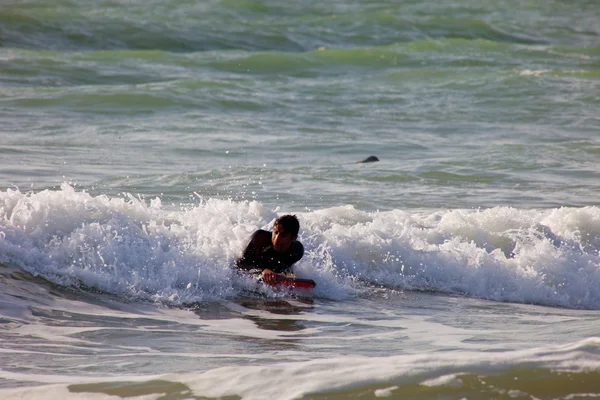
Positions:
{"x": 293, "y": 282}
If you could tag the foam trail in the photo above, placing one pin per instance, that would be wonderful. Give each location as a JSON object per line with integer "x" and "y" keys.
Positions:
{"x": 289, "y": 381}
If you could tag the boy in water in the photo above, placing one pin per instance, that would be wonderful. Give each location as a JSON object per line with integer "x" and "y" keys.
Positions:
{"x": 273, "y": 252}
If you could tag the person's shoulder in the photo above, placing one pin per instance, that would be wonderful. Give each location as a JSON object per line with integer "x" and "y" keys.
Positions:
{"x": 297, "y": 247}
{"x": 261, "y": 238}
{"x": 261, "y": 232}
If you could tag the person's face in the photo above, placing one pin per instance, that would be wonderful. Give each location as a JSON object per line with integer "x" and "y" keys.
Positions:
{"x": 281, "y": 240}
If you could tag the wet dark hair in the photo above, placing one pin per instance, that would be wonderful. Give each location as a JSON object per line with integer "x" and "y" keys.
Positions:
{"x": 289, "y": 223}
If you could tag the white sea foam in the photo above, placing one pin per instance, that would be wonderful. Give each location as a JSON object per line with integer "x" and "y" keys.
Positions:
{"x": 287, "y": 381}
{"x": 129, "y": 246}
{"x": 275, "y": 381}
{"x": 536, "y": 73}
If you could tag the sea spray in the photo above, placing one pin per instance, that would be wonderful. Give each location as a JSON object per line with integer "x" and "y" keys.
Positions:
{"x": 125, "y": 245}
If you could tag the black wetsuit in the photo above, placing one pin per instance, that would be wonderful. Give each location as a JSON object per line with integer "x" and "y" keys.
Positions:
{"x": 268, "y": 257}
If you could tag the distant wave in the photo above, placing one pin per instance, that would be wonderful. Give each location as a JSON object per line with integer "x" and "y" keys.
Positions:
{"x": 181, "y": 29}
{"x": 430, "y": 58}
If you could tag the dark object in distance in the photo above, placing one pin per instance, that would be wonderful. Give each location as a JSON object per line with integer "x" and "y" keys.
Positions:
{"x": 368, "y": 159}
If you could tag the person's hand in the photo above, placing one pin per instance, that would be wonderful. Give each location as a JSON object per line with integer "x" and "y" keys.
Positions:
{"x": 269, "y": 276}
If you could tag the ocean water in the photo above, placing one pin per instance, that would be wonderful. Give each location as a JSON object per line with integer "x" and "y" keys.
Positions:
{"x": 142, "y": 142}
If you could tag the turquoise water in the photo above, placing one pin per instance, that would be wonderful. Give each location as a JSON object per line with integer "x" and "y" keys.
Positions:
{"x": 141, "y": 143}
{"x": 467, "y": 105}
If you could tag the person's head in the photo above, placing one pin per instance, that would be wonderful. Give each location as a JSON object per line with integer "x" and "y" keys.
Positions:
{"x": 285, "y": 231}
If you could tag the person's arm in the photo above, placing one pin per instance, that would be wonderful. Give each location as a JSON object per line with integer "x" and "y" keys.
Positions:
{"x": 250, "y": 258}
{"x": 296, "y": 252}
{"x": 294, "y": 255}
